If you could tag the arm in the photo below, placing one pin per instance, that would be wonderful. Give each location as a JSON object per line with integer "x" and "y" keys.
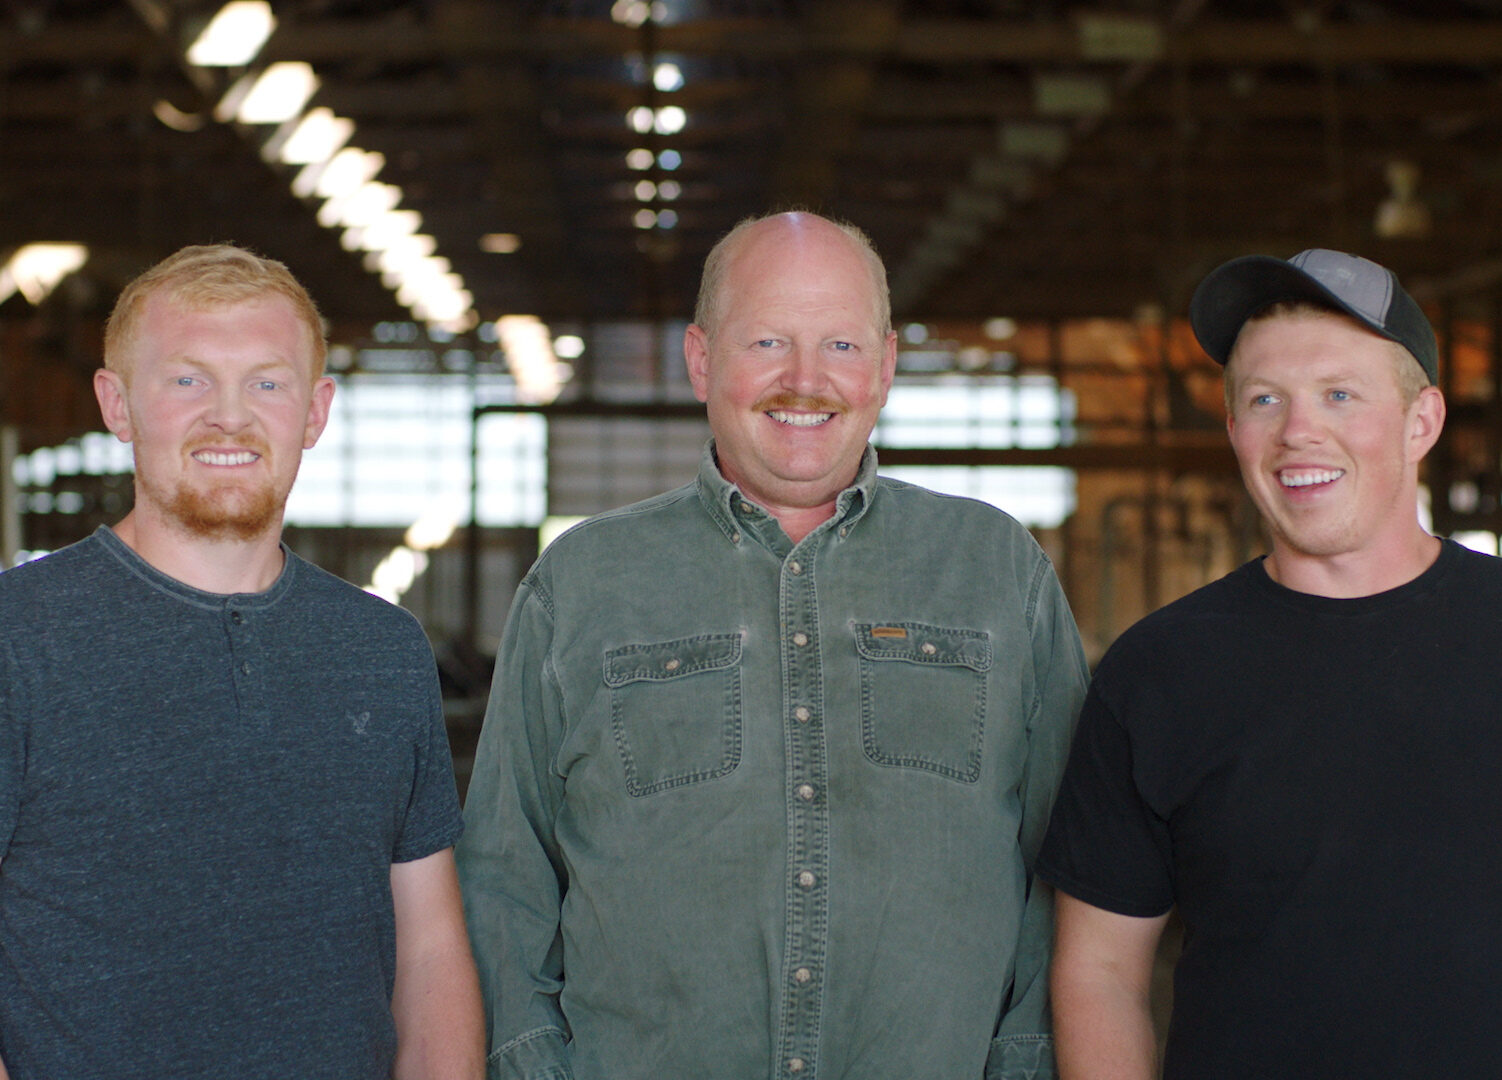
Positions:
{"x": 1102, "y": 976}
{"x": 510, "y": 866}
{"x": 440, "y": 1029}
{"x": 1060, "y": 677}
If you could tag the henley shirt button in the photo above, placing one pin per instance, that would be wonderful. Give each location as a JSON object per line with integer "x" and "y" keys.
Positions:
{"x": 796, "y": 567}
{"x": 245, "y": 668}
{"x": 236, "y": 618}
{"x": 802, "y": 976}
{"x": 735, "y": 538}
{"x": 807, "y": 879}
{"x": 800, "y": 639}
{"x": 796, "y": 1064}
{"x": 844, "y": 531}
{"x": 802, "y": 715}
{"x": 673, "y": 664}
{"x": 747, "y": 508}
{"x": 804, "y": 792}
{"x": 929, "y": 648}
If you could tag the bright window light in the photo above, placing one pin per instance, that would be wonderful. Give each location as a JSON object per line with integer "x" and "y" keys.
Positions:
{"x": 234, "y": 36}
{"x": 667, "y": 78}
{"x": 644, "y": 218}
{"x": 631, "y": 12}
{"x": 669, "y": 190}
{"x": 317, "y": 137}
{"x": 670, "y": 120}
{"x": 669, "y": 160}
{"x": 646, "y": 191}
{"x": 639, "y": 159}
{"x": 279, "y": 94}
{"x": 667, "y": 219}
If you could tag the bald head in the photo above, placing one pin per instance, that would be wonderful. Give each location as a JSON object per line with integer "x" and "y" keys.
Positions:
{"x": 755, "y": 235}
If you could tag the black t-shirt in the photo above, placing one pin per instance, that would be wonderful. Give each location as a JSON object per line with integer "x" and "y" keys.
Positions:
{"x": 1317, "y": 784}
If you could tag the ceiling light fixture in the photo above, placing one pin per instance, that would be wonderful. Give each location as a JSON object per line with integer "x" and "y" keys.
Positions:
{"x": 35, "y": 269}
{"x": 234, "y": 36}
{"x": 500, "y": 243}
{"x": 318, "y": 136}
{"x": 278, "y": 94}
{"x": 667, "y": 78}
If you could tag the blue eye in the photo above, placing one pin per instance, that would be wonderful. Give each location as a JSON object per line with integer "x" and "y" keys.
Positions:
{"x": 1340, "y": 395}
{"x": 1263, "y": 399}
{"x": 184, "y": 380}
{"x": 842, "y": 346}
{"x": 766, "y": 343}
{"x": 266, "y": 384}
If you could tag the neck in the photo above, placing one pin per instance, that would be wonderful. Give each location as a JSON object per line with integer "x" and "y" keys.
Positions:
{"x": 799, "y": 521}
{"x": 214, "y": 565}
{"x": 1354, "y": 574}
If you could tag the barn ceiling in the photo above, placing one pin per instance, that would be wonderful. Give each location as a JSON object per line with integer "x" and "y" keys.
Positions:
{"x": 1020, "y": 159}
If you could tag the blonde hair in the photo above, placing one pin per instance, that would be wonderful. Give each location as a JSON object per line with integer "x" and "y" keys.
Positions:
{"x": 1410, "y": 374}
{"x": 711, "y": 285}
{"x": 208, "y": 276}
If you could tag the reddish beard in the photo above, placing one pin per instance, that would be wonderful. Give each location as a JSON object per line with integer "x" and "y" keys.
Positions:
{"x": 782, "y": 401}
{"x": 230, "y": 511}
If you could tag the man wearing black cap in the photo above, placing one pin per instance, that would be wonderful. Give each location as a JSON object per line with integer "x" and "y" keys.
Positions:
{"x": 1301, "y": 757}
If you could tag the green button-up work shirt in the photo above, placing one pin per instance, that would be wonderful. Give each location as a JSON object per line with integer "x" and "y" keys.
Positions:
{"x": 750, "y": 809}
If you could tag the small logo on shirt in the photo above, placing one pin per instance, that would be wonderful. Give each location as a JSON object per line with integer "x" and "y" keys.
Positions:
{"x": 360, "y": 723}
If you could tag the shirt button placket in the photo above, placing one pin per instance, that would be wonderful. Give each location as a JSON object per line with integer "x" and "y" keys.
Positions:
{"x": 808, "y": 822}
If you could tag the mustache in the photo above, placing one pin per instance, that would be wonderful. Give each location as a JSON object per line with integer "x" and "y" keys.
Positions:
{"x": 239, "y": 442}
{"x": 784, "y": 401}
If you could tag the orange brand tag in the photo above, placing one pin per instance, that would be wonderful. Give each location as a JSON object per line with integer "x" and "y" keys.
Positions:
{"x": 888, "y": 631}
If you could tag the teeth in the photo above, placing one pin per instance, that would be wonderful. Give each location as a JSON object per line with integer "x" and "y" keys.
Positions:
{"x": 211, "y": 457}
{"x": 1307, "y": 477}
{"x": 800, "y": 419}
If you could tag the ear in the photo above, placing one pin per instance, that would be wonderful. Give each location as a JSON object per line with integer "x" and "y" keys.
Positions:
{"x": 1426, "y": 421}
{"x": 318, "y": 411}
{"x": 696, "y": 359}
{"x": 888, "y": 363}
{"x": 109, "y": 388}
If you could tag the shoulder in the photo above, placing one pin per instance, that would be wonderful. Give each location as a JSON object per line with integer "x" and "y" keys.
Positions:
{"x": 73, "y": 571}
{"x": 623, "y": 532}
{"x": 348, "y": 610}
{"x": 931, "y": 509}
{"x": 1211, "y": 616}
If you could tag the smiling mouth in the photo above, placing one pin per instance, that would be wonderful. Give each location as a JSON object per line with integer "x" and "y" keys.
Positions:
{"x": 217, "y": 457}
{"x": 798, "y": 419}
{"x": 1304, "y": 478}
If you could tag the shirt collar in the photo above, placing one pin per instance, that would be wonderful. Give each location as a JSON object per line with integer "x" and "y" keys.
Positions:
{"x": 728, "y": 507}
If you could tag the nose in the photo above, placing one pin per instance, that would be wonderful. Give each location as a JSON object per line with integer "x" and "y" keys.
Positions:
{"x": 805, "y": 372}
{"x": 1302, "y": 424}
{"x": 229, "y": 410}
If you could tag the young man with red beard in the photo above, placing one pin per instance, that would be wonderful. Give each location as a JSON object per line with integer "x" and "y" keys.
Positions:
{"x": 768, "y": 757}
{"x": 226, "y": 802}
{"x": 1301, "y": 757}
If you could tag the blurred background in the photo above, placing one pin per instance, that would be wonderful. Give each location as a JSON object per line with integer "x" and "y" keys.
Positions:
{"x": 502, "y": 207}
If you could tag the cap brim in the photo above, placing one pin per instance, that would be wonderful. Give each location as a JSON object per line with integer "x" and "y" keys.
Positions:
{"x": 1234, "y": 292}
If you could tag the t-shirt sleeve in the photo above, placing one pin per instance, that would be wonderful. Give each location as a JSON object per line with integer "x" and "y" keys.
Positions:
{"x": 1105, "y": 845}
{"x": 433, "y": 821}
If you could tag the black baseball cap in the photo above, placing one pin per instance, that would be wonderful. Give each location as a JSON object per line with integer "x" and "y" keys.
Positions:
{"x": 1235, "y": 291}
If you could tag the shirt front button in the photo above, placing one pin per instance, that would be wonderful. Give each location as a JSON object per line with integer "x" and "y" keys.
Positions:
{"x": 802, "y": 976}
{"x": 796, "y": 567}
{"x": 807, "y": 879}
{"x": 802, "y": 715}
{"x": 805, "y": 792}
{"x": 236, "y": 618}
{"x": 800, "y": 639}
{"x": 796, "y": 1065}
{"x": 929, "y": 648}
{"x": 245, "y": 668}
{"x": 672, "y": 665}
